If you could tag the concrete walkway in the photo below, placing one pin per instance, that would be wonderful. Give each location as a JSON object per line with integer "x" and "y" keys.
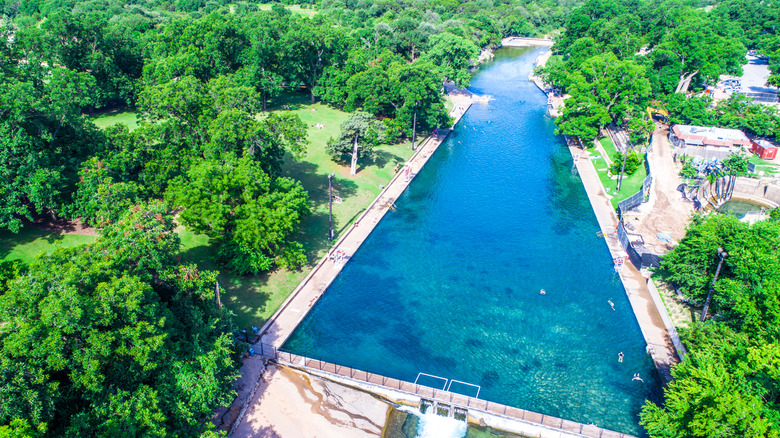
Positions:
{"x": 647, "y": 314}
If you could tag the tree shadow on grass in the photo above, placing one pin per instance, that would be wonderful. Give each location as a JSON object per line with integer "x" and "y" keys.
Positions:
{"x": 23, "y": 242}
{"x": 292, "y": 99}
{"x": 380, "y": 159}
{"x": 243, "y": 295}
{"x": 316, "y": 184}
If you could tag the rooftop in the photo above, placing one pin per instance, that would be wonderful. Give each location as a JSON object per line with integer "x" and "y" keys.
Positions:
{"x": 710, "y": 136}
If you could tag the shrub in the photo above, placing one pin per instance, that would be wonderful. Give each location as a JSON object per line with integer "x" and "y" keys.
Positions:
{"x": 633, "y": 161}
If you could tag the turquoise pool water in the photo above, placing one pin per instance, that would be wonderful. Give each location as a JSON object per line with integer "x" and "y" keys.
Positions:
{"x": 449, "y": 283}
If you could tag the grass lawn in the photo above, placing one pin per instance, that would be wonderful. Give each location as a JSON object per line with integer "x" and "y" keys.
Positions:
{"x": 292, "y": 8}
{"x": 31, "y": 241}
{"x": 255, "y": 299}
{"x": 769, "y": 167}
{"x": 123, "y": 115}
{"x": 630, "y": 185}
{"x": 608, "y": 146}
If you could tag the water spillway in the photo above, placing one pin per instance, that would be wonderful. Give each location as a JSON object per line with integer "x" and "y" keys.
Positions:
{"x": 449, "y": 283}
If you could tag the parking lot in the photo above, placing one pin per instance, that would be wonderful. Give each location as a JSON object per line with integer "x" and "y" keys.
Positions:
{"x": 752, "y": 83}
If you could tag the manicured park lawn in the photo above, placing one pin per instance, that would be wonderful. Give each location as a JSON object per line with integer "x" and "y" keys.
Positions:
{"x": 31, "y": 241}
{"x": 631, "y": 183}
{"x": 255, "y": 299}
{"x": 124, "y": 116}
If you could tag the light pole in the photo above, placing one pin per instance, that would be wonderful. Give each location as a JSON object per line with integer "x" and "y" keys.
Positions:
{"x": 330, "y": 206}
{"x": 622, "y": 169}
{"x": 414, "y": 128}
{"x": 722, "y": 254}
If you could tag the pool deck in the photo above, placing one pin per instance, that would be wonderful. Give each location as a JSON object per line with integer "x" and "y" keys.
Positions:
{"x": 290, "y": 314}
{"x": 647, "y": 307}
{"x": 647, "y": 313}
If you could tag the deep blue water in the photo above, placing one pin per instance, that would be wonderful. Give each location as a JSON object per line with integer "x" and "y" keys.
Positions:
{"x": 449, "y": 283}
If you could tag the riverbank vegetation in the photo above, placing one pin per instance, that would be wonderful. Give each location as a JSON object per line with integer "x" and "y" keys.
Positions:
{"x": 194, "y": 131}
{"x": 728, "y": 384}
{"x": 616, "y": 58}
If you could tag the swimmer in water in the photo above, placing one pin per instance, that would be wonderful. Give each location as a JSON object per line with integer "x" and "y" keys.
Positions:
{"x": 542, "y": 292}
{"x": 611, "y": 304}
{"x": 636, "y": 377}
{"x": 620, "y": 357}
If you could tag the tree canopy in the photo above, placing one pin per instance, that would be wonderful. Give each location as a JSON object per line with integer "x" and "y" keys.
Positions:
{"x": 116, "y": 337}
{"x": 728, "y": 383}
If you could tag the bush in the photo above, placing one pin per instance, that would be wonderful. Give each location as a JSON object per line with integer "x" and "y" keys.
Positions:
{"x": 738, "y": 163}
{"x": 688, "y": 170}
{"x": 633, "y": 161}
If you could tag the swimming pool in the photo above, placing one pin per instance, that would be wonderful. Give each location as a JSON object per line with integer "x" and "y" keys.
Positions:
{"x": 449, "y": 283}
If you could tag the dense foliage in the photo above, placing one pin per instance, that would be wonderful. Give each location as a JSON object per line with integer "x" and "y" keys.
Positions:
{"x": 729, "y": 383}
{"x": 118, "y": 338}
{"x": 664, "y": 49}
{"x": 115, "y": 338}
{"x": 201, "y": 73}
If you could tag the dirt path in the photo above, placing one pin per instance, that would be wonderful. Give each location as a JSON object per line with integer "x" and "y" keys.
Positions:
{"x": 667, "y": 211}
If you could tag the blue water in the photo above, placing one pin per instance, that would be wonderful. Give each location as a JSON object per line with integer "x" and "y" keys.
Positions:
{"x": 449, "y": 283}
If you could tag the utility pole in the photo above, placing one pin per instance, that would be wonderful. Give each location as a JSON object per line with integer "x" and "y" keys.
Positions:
{"x": 622, "y": 169}
{"x": 414, "y": 128}
{"x": 722, "y": 254}
{"x": 330, "y": 206}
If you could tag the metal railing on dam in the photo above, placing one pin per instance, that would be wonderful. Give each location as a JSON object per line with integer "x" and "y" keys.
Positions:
{"x": 473, "y": 405}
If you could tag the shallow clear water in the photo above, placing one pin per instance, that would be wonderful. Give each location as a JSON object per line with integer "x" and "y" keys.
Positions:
{"x": 739, "y": 208}
{"x": 449, "y": 283}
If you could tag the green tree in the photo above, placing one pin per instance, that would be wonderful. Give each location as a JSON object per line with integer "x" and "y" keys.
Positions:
{"x": 416, "y": 86}
{"x": 738, "y": 163}
{"x": 251, "y": 215}
{"x": 359, "y": 131}
{"x": 453, "y": 55}
{"x": 115, "y": 337}
{"x": 726, "y": 386}
{"x": 633, "y": 161}
{"x": 603, "y": 90}
{"x": 204, "y": 48}
{"x": 99, "y": 199}
{"x": 695, "y": 48}
{"x": 43, "y": 138}
{"x": 309, "y": 48}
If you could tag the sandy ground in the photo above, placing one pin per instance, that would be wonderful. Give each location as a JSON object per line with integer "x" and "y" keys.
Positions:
{"x": 669, "y": 213}
{"x": 289, "y": 404}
